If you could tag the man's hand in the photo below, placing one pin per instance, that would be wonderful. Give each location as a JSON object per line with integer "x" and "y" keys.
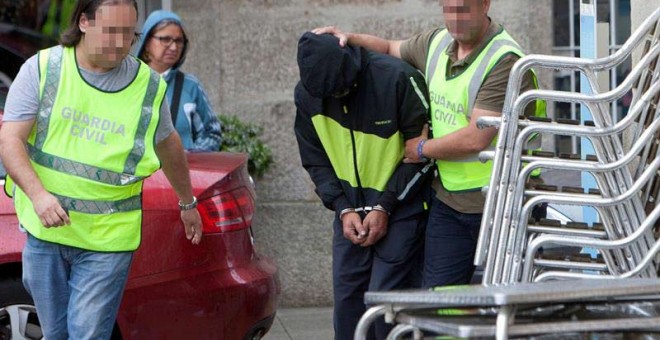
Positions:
{"x": 192, "y": 223}
{"x": 411, "y": 155}
{"x": 376, "y": 224}
{"x": 343, "y": 37}
{"x": 354, "y": 231}
{"x": 49, "y": 210}
{"x": 174, "y": 163}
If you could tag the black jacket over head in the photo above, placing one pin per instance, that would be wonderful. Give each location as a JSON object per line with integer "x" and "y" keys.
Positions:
{"x": 355, "y": 109}
{"x": 327, "y": 69}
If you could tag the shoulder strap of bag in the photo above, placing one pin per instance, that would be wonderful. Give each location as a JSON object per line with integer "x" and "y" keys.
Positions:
{"x": 176, "y": 96}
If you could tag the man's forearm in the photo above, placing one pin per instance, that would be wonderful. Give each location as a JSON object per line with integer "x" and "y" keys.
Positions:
{"x": 462, "y": 142}
{"x": 375, "y": 43}
{"x": 15, "y": 158}
{"x": 18, "y": 166}
{"x": 175, "y": 166}
{"x": 328, "y": 187}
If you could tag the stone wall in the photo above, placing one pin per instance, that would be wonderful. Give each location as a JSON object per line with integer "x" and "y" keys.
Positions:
{"x": 244, "y": 52}
{"x": 640, "y": 10}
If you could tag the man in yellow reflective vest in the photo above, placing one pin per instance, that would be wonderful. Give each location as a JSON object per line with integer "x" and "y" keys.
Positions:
{"x": 467, "y": 65}
{"x": 84, "y": 124}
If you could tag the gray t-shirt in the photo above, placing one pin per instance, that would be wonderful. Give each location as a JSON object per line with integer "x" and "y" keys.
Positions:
{"x": 23, "y": 97}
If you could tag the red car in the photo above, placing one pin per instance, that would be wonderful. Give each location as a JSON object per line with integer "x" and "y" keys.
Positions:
{"x": 219, "y": 289}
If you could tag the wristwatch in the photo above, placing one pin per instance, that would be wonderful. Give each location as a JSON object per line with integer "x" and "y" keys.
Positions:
{"x": 188, "y": 206}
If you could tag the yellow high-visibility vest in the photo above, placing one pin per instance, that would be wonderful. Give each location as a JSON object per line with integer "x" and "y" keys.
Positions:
{"x": 453, "y": 98}
{"x": 92, "y": 149}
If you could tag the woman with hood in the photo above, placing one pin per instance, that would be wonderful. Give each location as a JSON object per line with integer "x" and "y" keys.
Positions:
{"x": 163, "y": 47}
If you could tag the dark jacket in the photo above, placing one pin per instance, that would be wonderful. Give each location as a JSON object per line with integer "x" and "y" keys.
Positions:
{"x": 352, "y": 145}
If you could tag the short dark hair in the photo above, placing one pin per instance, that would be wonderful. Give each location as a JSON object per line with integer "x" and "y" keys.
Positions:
{"x": 72, "y": 35}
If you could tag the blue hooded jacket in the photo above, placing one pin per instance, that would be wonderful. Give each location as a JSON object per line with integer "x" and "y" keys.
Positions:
{"x": 196, "y": 122}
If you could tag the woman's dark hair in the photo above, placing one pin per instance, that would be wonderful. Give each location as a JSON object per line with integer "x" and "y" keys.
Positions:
{"x": 72, "y": 35}
{"x": 144, "y": 56}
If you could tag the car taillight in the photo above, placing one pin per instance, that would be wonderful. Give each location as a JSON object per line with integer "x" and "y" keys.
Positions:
{"x": 231, "y": 210}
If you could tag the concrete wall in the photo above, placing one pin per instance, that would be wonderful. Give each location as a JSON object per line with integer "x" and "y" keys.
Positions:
{"x": 244, "y": 52}
{"x": 640, "y": 10}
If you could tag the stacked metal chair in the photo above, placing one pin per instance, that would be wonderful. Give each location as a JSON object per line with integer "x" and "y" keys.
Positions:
{"x": 626, "y": 175}
{"x": 513, "y": 247}
{"x": 547, "y": 310}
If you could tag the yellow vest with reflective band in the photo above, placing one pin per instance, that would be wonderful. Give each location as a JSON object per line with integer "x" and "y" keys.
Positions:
{"x": 452, "y": 101}
{"x": 92, "y": 149}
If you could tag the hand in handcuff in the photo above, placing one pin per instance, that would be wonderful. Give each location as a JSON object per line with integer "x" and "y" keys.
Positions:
{"x": 376, "y": 224}
{"x": 364, "y": 232}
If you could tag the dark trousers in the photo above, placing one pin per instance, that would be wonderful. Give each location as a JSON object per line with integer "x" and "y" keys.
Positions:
{"x": 395, "y": 262}
{"x": 450, "y": 243}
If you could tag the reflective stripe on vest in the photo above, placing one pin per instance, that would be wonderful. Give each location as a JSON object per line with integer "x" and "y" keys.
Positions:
{"x": 100, "y": 207}
{"x": 50, "y": 85}
{"x": 453, "y": 99}
{"x": 92, "y": 158}
{"x": 81, "y": 169}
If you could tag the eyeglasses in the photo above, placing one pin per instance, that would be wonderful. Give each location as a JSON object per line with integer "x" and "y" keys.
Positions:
{"x": 167, "y": 41}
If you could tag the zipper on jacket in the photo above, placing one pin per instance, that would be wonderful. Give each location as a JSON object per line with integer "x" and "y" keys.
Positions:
{"x": 355, "y": 166}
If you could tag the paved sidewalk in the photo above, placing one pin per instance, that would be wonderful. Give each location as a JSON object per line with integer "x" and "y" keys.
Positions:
{"x": 302, "y": 324}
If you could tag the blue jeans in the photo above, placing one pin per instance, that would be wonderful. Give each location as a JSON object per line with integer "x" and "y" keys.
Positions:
{"x": 76, "y": 292}
{"x": 451, "y": 241}
{"x": 394, "y": 262}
